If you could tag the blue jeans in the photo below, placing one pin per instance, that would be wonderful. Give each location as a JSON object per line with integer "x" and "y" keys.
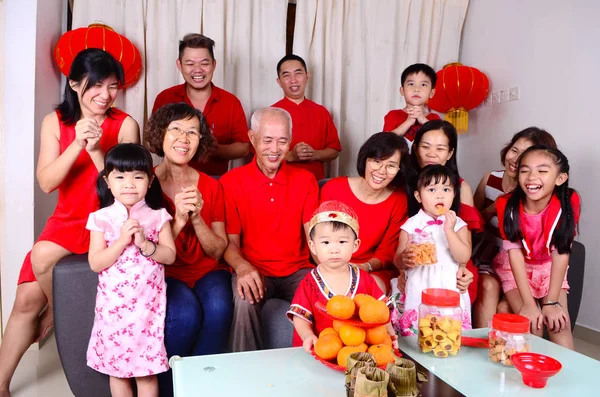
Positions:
{"x": 198, "y": 319}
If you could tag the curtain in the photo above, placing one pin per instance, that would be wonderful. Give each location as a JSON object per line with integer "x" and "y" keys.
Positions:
{"x": 249, "y": 34}
{"x": 356, "y": 51}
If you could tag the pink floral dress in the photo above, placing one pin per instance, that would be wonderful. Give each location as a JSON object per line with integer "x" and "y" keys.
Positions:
{"x": 128, "y": 334}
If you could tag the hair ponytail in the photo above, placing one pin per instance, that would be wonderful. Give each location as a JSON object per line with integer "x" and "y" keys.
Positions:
{"x": 564, "y": 234}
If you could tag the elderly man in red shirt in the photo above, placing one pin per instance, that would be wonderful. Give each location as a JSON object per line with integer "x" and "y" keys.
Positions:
{"x": 223, "y": 110}
{"x": 315, "y": 139}
{"x": 268, "y": 205}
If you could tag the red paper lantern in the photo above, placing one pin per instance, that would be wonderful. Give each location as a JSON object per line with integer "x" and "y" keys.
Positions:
{"x": 459, "y": 89}
{"x": 99, "y": 36}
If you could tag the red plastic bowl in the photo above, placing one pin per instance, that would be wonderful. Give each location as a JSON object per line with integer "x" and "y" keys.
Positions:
{"x": 535, "y": 368}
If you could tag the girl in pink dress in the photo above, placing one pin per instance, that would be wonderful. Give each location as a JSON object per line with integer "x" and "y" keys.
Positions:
{"x": 130, "y": 240}
{"x": 538, "y": 223}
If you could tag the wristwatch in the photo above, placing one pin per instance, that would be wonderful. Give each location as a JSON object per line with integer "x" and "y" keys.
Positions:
{"x": 370, "y": 267}
{"x": 551, "y": 303}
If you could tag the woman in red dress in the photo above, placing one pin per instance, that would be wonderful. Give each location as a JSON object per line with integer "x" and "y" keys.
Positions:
{"x": 74, "y": 139}
{"x": 436, "y": 143}
{"x": 377, "y": 196}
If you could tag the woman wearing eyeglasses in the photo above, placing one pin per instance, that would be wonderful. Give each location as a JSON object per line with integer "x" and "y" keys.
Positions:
{"x": 378, "y": 197}
{"x": 199, "y": 296}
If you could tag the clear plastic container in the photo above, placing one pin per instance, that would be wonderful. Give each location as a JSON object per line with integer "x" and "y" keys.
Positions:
{"x": 440, "y": 322}
{"x": 423, "y": 246}
{"x": 508, "y": 335}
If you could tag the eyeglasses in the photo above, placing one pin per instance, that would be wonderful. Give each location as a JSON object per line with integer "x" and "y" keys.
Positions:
{"x": 391, "y": 169}
{"x": 178, "y": 132}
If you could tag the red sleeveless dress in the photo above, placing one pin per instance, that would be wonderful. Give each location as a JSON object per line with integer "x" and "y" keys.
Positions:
{"x": 77, "y": 196}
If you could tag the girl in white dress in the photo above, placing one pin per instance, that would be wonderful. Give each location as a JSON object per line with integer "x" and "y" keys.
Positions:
{"x": 438, "y": 192}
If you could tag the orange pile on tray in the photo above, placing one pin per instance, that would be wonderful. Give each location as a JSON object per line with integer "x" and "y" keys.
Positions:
{"x": 345, "y": 338}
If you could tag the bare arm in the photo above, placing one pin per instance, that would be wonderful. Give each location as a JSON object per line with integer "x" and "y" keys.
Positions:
{"x": 249, "y": 282}
{"x": 479, "y": 196}
{"x": 560, "y": 262}
{"x": 460, "y": 245}
{"x": 130, "y": 131}
{"x": 232, "y": 151}
{"x": 466, "y": 194}
{"x": 165, "y": 249}
{"x": 53, "y": 166}
{"x": 102, "y": 257}
{"x": 213, "y": 239}
{"x": 399, "y": 259}
{"x": 517, "y": 265}
{"x": 305, "y": 331}
{"x": 327, "y": 154}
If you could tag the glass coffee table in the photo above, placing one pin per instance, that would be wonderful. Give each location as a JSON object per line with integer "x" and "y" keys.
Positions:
{"x": 472, "y": 373}
{"x": 295, "y": 373}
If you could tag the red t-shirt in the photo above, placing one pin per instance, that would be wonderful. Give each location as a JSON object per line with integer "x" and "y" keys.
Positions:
{"x": 192, "y": 263}
{"x": 313, "y": 289}
{"x": 394, "y": 118}
{"x": 379, "y": 224}
{"x": 225, "y": 117}
{"x": 313, "y": 125}
{"x": 269, "y": 215}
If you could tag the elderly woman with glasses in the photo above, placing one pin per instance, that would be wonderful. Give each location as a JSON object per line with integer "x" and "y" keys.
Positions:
{"x": 378, "y": 197}
{"x": 199, "y": 295}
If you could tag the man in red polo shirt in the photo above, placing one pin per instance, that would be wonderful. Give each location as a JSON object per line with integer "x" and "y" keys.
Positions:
{"x": 268, "y": 205}
{"x": 223, "y": 111}
{"x": 314, "y": 139}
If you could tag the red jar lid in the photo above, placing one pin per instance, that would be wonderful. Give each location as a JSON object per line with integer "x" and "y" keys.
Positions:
{"x": 510, "y": 323}
{"x": 440, "y": 297}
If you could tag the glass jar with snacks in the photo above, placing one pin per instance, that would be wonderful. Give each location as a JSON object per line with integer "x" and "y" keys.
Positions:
{"x": 440, "y": 322}
{"x": 509, "y": 335}
{"x": 422, "y": 245}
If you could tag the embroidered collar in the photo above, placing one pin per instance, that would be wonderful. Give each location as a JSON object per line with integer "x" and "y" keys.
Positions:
{"x": 326, "y": 290}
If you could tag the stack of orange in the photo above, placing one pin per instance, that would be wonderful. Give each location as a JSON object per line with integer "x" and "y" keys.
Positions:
{"x": 343, "y": 339}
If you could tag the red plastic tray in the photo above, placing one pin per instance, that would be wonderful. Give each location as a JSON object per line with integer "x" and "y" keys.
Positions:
{"x": 342, "y": 369}
{"x": 352, "y": 320}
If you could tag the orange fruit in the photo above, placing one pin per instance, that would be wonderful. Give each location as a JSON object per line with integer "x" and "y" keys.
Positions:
{"x": 352, "y": 335}
{"x": 337, "y": 324}
{"x": 383, "y": 354}
{"x": 374, "y": 312}
{"x": 328, "y": 346}
{"x": 377, "y": 335}
{"x": 361, "y": 299}
{"x": 328, "y": 331}
{"x": 344, "y": 352}
{"x": 388, "y": 341}
{"x": 341, "y": 306}
{"x": 363, "y": 347}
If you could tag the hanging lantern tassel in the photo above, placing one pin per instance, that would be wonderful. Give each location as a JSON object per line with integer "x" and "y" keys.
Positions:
{"x": 459, "y": 89}
{"x": 459, "y": 118}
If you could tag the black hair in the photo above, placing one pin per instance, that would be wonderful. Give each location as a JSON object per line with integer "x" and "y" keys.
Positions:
{"x": 335, "y": 226}
{"x": 290, "y": 57}
{"x": 414, "y": 170}
{"x": 564, "y": 234}
{"x": 196, "y": 40}
{"x": 96, "y": 65}
{"x": 437, "y": 173}
{"x": 416, "y": 68}
{"x": 127, "y": 157}
{"x": 382, "y": 146}
{"x": 536, "y": 135}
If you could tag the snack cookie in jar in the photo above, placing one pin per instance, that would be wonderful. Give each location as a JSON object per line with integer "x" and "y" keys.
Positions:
{"x": 440, "y": 322}
{"x": 509, "y": 335}
{"x": 423, "y": 246}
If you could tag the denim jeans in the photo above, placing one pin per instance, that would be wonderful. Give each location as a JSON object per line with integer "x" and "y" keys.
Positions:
{"x": 198, "y": 319}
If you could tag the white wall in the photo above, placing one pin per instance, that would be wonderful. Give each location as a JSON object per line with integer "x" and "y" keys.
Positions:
{"x": 29, "y": 91}
{"x": 549, "y": 49}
